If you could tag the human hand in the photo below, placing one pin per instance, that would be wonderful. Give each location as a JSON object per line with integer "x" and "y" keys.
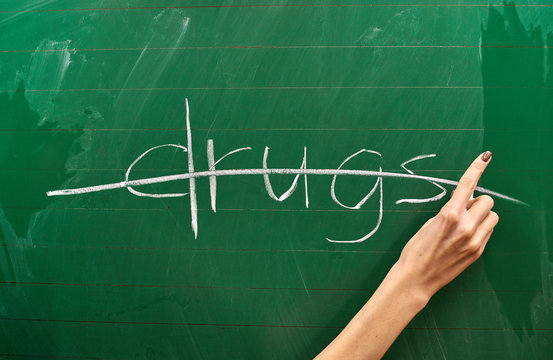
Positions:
{"x": 452, "y": 240}
{"x": 445, "y": 246}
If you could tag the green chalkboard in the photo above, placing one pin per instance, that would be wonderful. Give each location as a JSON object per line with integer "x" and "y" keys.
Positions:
{"x": 325, "y": 102}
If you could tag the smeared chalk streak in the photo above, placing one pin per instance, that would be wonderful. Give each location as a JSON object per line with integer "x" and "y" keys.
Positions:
{"x": 235, "y": 172}
{"x": 192, "y": 181}
{"x": 305, "y": 178}
{"x": 212, "y": 179}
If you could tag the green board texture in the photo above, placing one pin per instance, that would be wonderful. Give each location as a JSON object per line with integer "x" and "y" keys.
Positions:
{"x": 328, "y": 99}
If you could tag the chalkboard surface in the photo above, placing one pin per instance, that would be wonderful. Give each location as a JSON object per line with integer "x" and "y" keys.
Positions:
{"x": 124, "y": 237}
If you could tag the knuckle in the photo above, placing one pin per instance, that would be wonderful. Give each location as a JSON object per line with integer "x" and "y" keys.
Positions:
{"x": 468, "y": 182}
{"x": 449, "y": 217}
{"x": 473, "y": 247}
{"x": 466, "y": 231}
{"x": 481, "y": 250}
{"x": 476, "y": 255}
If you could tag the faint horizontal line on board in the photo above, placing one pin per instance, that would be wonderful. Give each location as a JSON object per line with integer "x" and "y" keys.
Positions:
{"x": 246, "y": 325}
{"x": 135, "y": 248}
{"x": 238, "y": 288}
{"x": 349, "y": 211}
{"x": 387, "y": 211}
{"x": 165, "y": 323}
{"x": 51, "y": 357}
{"x": 246, "y": 47}
{"x": 272, "y": 6}
{"x": 475, "y": 329}
{"x": 245, "y": 88}
{"x": 181, "y": 170}
{"x": 277, "y": 129}
{"x": 184, "y": 209}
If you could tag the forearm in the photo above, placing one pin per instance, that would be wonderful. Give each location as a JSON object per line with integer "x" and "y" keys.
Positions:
{"x": 375, "y": 327}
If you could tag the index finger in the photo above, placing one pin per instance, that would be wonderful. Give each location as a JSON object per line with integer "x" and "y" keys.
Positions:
{"x": 470, "y": 178}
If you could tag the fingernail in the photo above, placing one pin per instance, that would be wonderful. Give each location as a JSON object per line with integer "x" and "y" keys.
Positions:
{"x": 486, "y": 156}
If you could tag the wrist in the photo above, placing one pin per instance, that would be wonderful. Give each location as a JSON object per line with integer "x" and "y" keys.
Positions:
{"x": 409, "y": 286}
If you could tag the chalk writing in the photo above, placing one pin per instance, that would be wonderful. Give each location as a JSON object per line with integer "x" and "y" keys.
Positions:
{"x": 212, "y": 174}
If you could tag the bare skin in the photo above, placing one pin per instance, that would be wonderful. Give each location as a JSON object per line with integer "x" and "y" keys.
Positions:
{"x": 445, "y": 246}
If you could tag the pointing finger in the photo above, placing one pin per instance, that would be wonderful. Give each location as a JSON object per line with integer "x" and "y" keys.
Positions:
{"x": 469, "y": 180}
